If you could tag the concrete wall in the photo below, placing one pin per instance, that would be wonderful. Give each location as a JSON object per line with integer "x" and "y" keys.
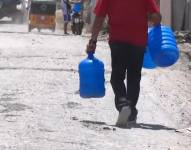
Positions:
{"x": 188, "y": 16}
{"x": 176, "y": 13}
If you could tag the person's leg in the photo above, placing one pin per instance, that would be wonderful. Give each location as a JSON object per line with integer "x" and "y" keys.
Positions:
{"x": 66, "y": 24}
{"x": 119, "y": 52}
{"x": 118, "y": 60}
{"x": 134, "y": 67}
{"x": 66, "y": 28}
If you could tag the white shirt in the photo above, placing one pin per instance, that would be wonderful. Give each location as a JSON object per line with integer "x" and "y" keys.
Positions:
{"x": 64, "y": 7}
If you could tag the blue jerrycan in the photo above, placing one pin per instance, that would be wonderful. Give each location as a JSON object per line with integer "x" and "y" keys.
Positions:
{"x": 92, "y": 81}
{"x": 147, "y": 61}
{"x": 162, "y": 46}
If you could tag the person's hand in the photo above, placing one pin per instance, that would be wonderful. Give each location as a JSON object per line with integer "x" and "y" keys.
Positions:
{"x": 91, "y": 47}
{"x": 156, "y": 19}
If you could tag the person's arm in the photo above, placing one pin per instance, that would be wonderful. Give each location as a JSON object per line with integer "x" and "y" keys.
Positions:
{"x": 97, "y": 26}
{"x": 153, "y": 9}
{"x": 156, "y": 18}
{"x": 101, "y": 10}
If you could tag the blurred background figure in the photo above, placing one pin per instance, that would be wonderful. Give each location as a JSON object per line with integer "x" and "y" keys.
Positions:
{"x": 66, "y": 9}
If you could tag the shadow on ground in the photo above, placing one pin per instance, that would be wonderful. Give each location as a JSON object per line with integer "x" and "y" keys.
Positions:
{"x": 151, "y": 126}
{"x": 136, "y": 125}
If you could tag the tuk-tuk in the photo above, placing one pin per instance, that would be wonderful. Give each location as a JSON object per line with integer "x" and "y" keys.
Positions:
{"x": 42, "y": 15}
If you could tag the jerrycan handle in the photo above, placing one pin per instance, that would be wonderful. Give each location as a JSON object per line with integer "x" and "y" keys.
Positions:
{"x": 158, "y": 25}
{"x": 91, "y": 55}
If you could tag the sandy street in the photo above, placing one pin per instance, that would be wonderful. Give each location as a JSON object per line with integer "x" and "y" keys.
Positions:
{"x": 40, "y": 106}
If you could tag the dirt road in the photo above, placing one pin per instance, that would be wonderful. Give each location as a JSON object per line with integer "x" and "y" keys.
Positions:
{"x": 40, "y": 107}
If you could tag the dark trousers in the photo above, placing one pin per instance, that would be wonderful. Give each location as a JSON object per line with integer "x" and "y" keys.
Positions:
{"x": 127, "y": 61}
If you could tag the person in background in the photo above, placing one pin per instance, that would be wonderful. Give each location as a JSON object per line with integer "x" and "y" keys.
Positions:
{"x": 66, "y": 9}
{"x": 128, "y": 25}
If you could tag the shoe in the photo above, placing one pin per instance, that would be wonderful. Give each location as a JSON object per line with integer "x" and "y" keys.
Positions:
{"x": 122, "y": 120}
{"x": 133, "y": 116}
{"x": 66, "y": 33}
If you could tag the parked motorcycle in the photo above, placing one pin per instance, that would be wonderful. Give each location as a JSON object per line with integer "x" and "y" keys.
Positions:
{"x": 77, "y": 22}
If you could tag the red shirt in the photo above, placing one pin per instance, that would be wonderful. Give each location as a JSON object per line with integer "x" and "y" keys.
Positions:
{"x": 128, "y": 19}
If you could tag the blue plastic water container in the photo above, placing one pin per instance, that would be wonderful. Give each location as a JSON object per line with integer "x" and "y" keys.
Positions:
{"x": 162, "y": 46}
{"x": 92, "y": 81}
{"x": 148, "y": 62}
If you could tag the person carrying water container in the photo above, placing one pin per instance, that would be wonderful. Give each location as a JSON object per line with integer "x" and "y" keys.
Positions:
{"x": 66, "y": 9}
{"x": 128, "y": 25}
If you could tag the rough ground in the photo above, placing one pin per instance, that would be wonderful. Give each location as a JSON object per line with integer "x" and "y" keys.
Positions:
{"x": 40, "y": 106}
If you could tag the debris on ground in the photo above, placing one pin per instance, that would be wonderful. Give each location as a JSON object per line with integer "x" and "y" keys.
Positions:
{"x": 183, "y": 36}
